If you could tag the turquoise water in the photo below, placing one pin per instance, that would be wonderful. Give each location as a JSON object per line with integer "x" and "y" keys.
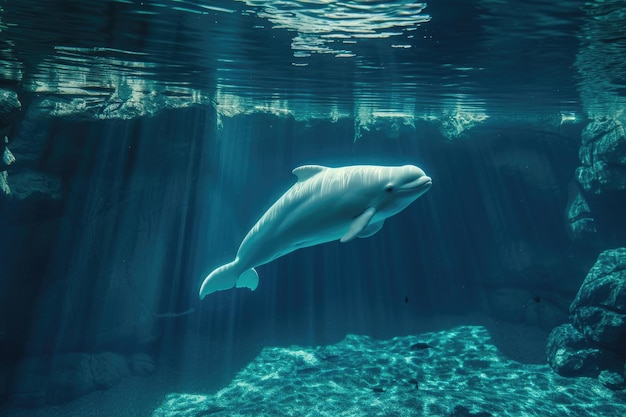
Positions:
{"x": 145, "y": 139}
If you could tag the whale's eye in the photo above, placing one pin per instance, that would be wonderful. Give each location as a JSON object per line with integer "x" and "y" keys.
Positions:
{"x": 389, "y": 189}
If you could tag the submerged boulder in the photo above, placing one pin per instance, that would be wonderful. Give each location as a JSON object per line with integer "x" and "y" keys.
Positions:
{"x": 603, "y": 156}
{"x": 10, "y": 107}
{"x": 594, "y": 344}
{"x": 70, "y": 376}
{"x": 7, "y": 156}
{"x": 141, "y": 364}
{"x": 108, "y": 369}
{"x": 581, "y": 222}
{"x": 569, "y": 353}
{"x": 599, "y": 309}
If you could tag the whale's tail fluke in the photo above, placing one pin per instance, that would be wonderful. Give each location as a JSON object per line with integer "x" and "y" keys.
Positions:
{"x": 226, "y": 277}
{"x": 249, "y": 279}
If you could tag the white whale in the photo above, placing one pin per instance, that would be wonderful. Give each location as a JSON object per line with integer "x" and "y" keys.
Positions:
{"x": 325, "y": 204}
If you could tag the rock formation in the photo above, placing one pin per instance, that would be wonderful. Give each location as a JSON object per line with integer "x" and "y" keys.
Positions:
{"x": 10, "y": 107}
{"x": 595, "y": 343}
{"x": 603, "y": 156}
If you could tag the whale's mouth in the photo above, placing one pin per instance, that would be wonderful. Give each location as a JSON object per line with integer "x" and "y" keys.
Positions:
{"x": 422, "y": 184}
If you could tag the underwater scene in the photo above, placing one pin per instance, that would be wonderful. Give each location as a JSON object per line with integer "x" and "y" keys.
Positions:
{"x": 312, "y": 208}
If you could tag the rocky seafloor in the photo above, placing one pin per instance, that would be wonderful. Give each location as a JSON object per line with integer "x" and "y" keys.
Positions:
{"x": 457, "y": 372}
{"x": 454, "y": 372}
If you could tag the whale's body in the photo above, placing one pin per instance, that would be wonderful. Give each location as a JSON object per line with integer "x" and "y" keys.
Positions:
{"x": 325, "y": 204}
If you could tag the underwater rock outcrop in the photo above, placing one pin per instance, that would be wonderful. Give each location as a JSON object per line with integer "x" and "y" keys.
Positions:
{"x": 595, "y": 343}
{"x": 32, "y": 192}
{"x": 7, "y": 159}
{"x": 126, "y": 101}
{"x": 85, "y": 269}
{"x": 599, "y": 309}
{"x": 10, "y": 107}
{"x": 581, "y": 222}
{"x": 603, "y": 156}
{"x": 571, "y": 354}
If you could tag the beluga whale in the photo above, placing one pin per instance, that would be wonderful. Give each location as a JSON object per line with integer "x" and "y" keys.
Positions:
{"x": 324, "y": 205}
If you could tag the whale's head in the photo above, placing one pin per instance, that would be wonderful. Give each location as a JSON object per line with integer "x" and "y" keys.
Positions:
{"x": 407, "y": 180}
{"x": 394, "y": 188}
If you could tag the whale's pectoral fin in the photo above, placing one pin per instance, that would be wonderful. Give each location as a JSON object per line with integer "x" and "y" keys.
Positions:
{"x": 226, "y": 277}
{"x": 358, "y": 225}
{"x": 249, "y": 279}
{"x": 371, "y": 229}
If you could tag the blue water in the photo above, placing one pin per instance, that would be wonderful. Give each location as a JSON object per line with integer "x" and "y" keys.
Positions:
{"x": 390, "y": 56}
{"x": 153, "y": 135}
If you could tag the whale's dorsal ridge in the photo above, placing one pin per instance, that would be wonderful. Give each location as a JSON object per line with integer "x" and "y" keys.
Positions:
{"x": 307, "y": 171}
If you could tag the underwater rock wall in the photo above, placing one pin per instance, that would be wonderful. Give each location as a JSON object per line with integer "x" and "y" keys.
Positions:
{"x": 603, "y": 157}
{"x": 25, "y": 186}
{"x": 594, "y": 342}
{"x": 85, "y": 252}
{"x": 10, "y": 108}
{"x": 596, "y": 199}
{"x": 595, "y": 209}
